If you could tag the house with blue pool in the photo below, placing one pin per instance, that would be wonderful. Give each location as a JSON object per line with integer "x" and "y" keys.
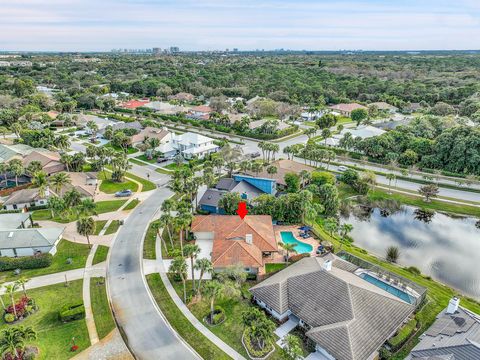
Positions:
{"x": 249, "y": 187}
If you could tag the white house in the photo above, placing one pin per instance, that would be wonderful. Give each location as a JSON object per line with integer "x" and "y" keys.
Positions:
{"x": 363, "y": 132}
{"x": 190, "y": 145}
{"x": 25, "y": 198}
{"x": 28, "y": 242}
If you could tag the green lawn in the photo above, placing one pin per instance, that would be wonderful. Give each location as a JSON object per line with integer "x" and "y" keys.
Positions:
{"x": 202, "y": 345}
{"x": 378, "y": 194}
{"x": 65, "y": 250}
{"x": 113, "y": 227}
{"x": 144, "y": 158}
{"x": 102, "y": 207}
{"x": 132, "y": 204}
{"x": 149, "y": 242}
{"x": 131, "y": 150}
{"x": 269, "y": 268}
{"x": 437, "y": 294}
{"x": 100, "y": 254}
{"x": 54, "y": 337}
{"x": 136, "y": 162}
{"x": 99, "y": 224}
{"x": 174, "y": 166}
{"x": 146, "y": 185}
{"x": 110, "y": 187}
{"x": 100, "y": 307}
{"x": 163, "y": 171}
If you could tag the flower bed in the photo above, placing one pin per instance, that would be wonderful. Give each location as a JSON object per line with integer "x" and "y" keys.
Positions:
{"x": 218, "y": 317}
{"x": 22, "y": 309}
{"x": 253, "y": 351}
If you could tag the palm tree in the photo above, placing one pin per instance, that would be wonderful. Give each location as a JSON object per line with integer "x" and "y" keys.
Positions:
{"x": 17, "y": 128}
{"x": 182, "y": 221}
{"x": 244, "y": 166}
{"x": 204, "y": 266}
{"x": 156, "y": 226}
{"x": 179, "y": 267}
{"x": 72, "y": 198}
{"x": 33, "y": 167}
{"x": 10, "y": 290}
{"x": 305, "y": 176}
{"x": 345, "y": 229}
{"x": 39, "y": 180}
{"x": 56, "y": 206}
{"x": 390, "y": 177}
{"x": 4, "y": 170}
{"x": 15, "y": 166}
{"x": 87, "y": 207}
{"x": 62, "y": 142}
{"x": 59, "y": 180}
{"x": 272, "y": 170}
{"x": 14, "y": 340}
{"x": 86, "y": 227}
{"x": 288, "y": 248}
{"x": 67, "y": 160}
{"x": 166, "y": 220}
{"x": 215, "y": 289}
{"x": 22, "y": 282}
{"x": 191, "y": 251}
{"x": 393, "y": 253}
{"x": 331, "y": 225}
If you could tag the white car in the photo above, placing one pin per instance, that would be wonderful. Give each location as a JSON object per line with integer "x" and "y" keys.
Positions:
{"x": 342, "y": 168}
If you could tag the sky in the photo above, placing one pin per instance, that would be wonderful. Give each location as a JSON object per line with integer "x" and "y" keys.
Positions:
{"x": 101, "y": 25}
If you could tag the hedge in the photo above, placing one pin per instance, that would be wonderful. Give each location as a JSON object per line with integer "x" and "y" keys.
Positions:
{"x": 25, "y": 262}
{"x": 252, "y": 352}
{"x": 403, "y": 335}
{"x": 73, "y": 311}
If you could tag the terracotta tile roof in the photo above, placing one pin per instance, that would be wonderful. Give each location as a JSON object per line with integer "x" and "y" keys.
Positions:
{"x": 150, "y": 132}
{"x": 229, "y": 245}
{"x": 202, "y": 108}
{"x": 133, "y": 104}
{"x": 347, "y": 107}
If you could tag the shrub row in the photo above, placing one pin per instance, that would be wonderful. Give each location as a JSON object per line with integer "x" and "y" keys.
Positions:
{"x": 25, "y": 262}
{"x": 71, "y": 312}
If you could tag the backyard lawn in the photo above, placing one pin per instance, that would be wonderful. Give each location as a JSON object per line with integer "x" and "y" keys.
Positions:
{"x": 202, "y": 345}
{"x": 55, "y": 337}
{"x": 100, "y": 307}
{"x": 273, "y": 267}
{"x": 77, "y": 253}
{"x": 100, "y": 254}
{"x": 144, "y": 158}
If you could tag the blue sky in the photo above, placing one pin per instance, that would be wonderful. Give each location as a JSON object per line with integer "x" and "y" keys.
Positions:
{"x": 91, "y": 25}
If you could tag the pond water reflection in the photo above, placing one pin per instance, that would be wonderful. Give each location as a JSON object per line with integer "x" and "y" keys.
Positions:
{"x": 445, "y": 247}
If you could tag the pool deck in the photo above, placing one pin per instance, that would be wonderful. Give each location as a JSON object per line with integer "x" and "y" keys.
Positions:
{"x": 296, "y": 233}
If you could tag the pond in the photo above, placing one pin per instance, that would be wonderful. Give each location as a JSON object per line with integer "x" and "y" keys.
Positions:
{"x": 442, "y": 246}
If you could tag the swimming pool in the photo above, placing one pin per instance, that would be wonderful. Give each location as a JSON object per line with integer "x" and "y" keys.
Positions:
{"x": 388, "y": 288}
{"x": 301, "y": 248}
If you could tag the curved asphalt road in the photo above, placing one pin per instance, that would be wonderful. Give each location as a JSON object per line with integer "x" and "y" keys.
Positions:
{"x": 146, "y": 333}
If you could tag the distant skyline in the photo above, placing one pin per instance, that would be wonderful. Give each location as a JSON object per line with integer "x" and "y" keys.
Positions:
{"x": 101, "y": 25}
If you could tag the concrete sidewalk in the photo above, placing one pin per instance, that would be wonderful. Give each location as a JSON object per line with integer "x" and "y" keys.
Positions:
{"x": 57, "y": 278}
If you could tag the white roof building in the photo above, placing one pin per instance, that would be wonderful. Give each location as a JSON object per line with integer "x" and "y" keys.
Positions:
{"x": 192, "y": 144}
{"x": 363, "y": 132}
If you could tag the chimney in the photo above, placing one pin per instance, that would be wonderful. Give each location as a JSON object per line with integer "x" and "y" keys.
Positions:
{"x": 453, "y": 305}
{"x": 249, "y": 239}
{"x": 327, "y": 265}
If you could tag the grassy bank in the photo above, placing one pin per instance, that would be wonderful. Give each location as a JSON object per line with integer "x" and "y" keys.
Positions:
{"x": 204, "y": 347}
{"x": 149, "y": 242}
{"x": 100, "y": 307}
{"x": 100, "y": 254}
{"x": 113, "y": 227}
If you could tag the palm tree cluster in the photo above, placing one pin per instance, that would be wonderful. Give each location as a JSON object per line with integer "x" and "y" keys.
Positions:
{"x": 10, "y": 290}
{"x": 14, "y": 342}
{"x": 259, "y": 329}
{"x": 269, "y": 150}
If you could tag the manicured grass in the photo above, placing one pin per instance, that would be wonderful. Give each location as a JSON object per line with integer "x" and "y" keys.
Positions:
{"x": 174, "y": 166}
{"x": 146, "y": 185}
{"x": 55, "y": 337}
{"x": 204, "y": 347}
{"x": 269, "y": 268}
{"x": 102, "y": 207}
{"x": 163, "y": 171}
{"x": 149, "y": 242}
{"x": 100, "y": 254}
{"x": 438, "y": 295}
{"x": 132, "y": 204}
{"x": 99, "y": 224}
{"x": 65, "y": 250}
{"x": 419, "y": 202}
{"x": 109, "y": 205}
{"x": 144, "y": 158}
{"x": 131, "y": 150}
{"x": 136, "y": 162}
{"x": 110, "y": 187}
{"x": 100, "y": 307}
{"x": 113, "y": 227}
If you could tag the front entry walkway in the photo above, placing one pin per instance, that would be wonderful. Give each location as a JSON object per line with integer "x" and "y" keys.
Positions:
{"x": 285, "y": 328}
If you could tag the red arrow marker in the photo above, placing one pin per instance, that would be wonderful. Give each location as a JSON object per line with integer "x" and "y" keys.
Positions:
{"x": 242, "y": 209}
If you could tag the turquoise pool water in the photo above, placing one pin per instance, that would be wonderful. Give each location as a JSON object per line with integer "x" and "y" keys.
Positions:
{"x": 388, "y": 288}
{"x": 301, "y": 248}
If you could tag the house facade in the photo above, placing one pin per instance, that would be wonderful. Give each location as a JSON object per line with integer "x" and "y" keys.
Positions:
{"x": 191, "y": 145}
{"x": 346, "y": 109}
{"x": 248, "y": 242}
{"x": 28, "y": 242}
{"x": 346, "y": 316}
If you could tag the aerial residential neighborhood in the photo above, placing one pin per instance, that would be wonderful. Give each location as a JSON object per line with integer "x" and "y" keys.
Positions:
{"x": 251, "y": 180}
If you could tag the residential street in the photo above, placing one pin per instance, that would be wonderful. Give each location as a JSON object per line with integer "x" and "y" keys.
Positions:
{"x": 147, "y": 334}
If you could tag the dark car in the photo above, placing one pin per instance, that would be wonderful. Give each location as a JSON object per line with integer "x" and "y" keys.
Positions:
{"x": 254, "y": 155}
{"x": 123, "y": 193}
{"x": 162, "y": 159}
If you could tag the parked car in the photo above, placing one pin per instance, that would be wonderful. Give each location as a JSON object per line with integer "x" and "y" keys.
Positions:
{"x": 123, "y": 193}
{"x": 162, "y": 159}
{"x": 342, "y": 168}
{"x": 254, "y": 155}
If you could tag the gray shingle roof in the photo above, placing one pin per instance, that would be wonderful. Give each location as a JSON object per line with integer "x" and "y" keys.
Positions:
{"x": 25, "y": 238}
{"x": 22, "y": 196}
{"x": 13, "y": 221}
{"x": 456, "y": 334}
{"x": 348, "y": 316}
